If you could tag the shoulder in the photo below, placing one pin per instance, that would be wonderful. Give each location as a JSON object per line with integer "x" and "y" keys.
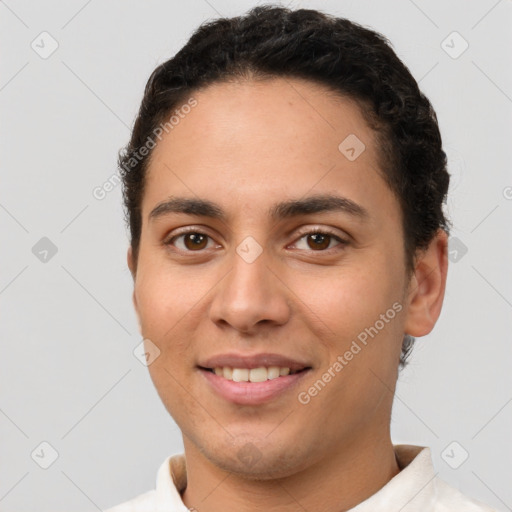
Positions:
{"x": 165, "y": 496}
{"x": 142, "y": 503}
{"x": 449, "y": 498}
{"x": 419, "y": 488}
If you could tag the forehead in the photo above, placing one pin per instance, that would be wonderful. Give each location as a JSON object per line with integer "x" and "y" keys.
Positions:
{"x": 249, "y": 143}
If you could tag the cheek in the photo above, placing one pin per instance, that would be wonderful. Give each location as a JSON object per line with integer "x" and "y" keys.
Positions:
{"x": 172, "y": 304}
{"x": 362, "y": 311}
{"x": 165, "y": 295}
{"x": 166, "y": 311}
{"x": 346, "y": 300}
{"x": 163, "y": 310}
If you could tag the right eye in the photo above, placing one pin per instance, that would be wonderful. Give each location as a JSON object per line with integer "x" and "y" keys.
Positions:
{"x": 189, "y": 241}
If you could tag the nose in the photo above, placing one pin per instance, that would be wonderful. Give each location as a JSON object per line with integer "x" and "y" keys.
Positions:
{"x": 250, "y": 295}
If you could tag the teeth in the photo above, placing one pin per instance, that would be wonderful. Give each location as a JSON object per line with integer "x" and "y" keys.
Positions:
{"x": 273, "y": 372}
{"x": 252, "y": 375}
{"x": 240, "y": 374}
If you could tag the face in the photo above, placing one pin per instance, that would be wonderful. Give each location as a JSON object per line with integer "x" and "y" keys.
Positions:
{"x": 319, "y": 287}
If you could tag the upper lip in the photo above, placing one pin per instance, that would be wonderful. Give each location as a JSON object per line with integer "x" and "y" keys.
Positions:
{"x": 253, "y": 361}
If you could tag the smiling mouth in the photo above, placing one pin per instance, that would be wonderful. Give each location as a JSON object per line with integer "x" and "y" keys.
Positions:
{"x": 260, "y": 374}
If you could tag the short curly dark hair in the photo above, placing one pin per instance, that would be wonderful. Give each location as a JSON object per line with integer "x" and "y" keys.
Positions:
{"x": 345, "y": 57}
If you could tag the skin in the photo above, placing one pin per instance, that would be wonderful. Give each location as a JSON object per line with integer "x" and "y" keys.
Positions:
{"x": 246, "y": 146}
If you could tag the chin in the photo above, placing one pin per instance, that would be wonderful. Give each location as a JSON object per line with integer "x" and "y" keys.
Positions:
{"x": 255, "y": 460}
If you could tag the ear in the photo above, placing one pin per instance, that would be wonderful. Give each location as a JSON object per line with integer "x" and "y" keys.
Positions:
{"x": 131, "y": 262}
{"x": 427, "y": 287}
{"x": 131, "y": 266}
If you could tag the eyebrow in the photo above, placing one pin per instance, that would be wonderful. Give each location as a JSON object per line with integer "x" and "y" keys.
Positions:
{"x": 283, "y": 210}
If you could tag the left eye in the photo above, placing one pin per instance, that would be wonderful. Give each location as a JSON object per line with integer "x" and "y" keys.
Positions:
{"x": 319, "y": 240}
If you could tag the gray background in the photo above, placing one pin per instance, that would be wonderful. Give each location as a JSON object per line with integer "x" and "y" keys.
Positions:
{"x": 68, "y": 373}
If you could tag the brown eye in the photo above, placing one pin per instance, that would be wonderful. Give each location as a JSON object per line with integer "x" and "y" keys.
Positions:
{"x": 194, "y": 241}
{"x": 319, "y": 240}
{"x": 190, "y": 241}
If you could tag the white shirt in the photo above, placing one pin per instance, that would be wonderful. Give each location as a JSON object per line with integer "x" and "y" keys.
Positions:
{"x": 415, "y": 489}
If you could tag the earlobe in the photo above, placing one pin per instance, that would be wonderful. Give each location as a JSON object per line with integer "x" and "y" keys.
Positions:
{"x": 427, "y": 287}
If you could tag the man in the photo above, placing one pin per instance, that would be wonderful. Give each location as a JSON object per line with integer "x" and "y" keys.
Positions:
{"x": 284, "y": 185}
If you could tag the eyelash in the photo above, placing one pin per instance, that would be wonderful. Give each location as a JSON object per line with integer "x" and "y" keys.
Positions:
{"x": 342, "y": 242}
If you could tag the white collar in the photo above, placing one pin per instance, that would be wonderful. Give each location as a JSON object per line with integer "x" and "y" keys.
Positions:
{"x": 411, "y": 490}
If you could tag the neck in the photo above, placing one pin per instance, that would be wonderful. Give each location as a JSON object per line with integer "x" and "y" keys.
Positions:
{"x": 335, "y": 483}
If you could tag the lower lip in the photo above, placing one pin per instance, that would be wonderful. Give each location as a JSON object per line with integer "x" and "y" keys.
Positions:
{"x": 252, "y": 393}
